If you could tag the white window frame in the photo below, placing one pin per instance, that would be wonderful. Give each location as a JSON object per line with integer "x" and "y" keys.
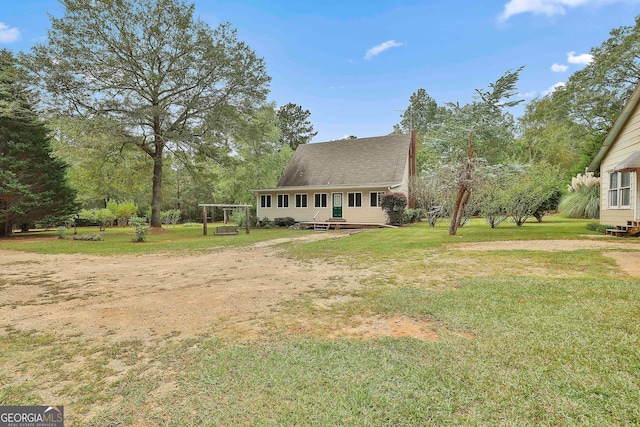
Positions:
{"x": 617, "y": 190}
{"x": 283, "y": 201}
{"x": 320, "y": 205}
{"x": 300, "y": 197}
{"x": 265, "y": 198}
{"x": 355, "y": 199}
{"x": 378, "y": 195}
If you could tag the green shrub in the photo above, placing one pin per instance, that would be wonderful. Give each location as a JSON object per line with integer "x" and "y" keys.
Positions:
{"x": 140, "y": 227}
{"x": 88, "y": 237}
{"x": 265, "y": 222}
{"x": 103, "y": 217}
{"x": 170, "y": 216}
{"x": 286, "y": 221}
{"x": 599, "y": 228}
{"x": 414, "y": 215}
{"x": 61, "y": 232}
{"x": 122, "y": 211}
{"x": 393, "y": 204}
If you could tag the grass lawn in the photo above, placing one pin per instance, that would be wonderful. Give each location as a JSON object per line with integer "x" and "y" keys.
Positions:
{"x": 524, "y": 337}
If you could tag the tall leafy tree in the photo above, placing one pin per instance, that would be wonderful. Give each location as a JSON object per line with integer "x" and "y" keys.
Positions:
{"x": 294, "y": 125}
{"x": 422, "y": 115}
{"x": 260, "y": 158}
{"x": 165, "y": 76}
{"x": 479, "y": 131}
{"x": 568, "y": 125}
{"x": 33, "y": 184}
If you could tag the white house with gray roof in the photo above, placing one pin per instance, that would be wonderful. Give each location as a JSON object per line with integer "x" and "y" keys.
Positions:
{"x": 340, "y": 181}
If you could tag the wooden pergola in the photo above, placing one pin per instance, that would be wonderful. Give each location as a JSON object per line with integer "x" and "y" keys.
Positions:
{"x": 206, "y": 206}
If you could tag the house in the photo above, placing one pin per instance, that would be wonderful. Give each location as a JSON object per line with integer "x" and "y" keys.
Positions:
{"x": 618, "y": 161}
{"x": 341, "y": 181}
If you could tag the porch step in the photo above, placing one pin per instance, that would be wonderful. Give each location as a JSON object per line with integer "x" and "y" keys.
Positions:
{"x": 319, "y": 226}
{"x": 631, "y": 229}
{"x": 336, "y": 220}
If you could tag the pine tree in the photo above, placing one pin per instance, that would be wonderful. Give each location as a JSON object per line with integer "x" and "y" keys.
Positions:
{"x": 33, "y": 184}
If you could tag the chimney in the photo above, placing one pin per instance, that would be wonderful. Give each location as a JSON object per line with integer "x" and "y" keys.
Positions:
{"x": 413, "y": 169}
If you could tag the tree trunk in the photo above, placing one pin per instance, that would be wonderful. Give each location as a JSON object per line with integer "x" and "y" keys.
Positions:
{"x": 456, "y": 217}
{"x": 156, "y": 198}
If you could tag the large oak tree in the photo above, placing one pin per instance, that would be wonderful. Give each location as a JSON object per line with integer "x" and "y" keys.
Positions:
{"x": 166, "y": 77}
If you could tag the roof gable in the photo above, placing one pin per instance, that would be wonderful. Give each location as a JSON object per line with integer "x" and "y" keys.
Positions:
{"x": 363, "y": 161}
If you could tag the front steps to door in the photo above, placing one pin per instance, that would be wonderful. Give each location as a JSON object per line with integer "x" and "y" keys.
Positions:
{"x": 630, "y": 230}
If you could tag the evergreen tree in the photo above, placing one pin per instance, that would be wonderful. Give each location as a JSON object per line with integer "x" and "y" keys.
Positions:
{"x": 33, "y": 185}
{"x": 294, "y": 125}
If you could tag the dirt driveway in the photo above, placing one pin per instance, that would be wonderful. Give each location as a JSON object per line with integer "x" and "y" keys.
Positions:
{"x": 159, "y": 295}
{"x": 164, "y": 295}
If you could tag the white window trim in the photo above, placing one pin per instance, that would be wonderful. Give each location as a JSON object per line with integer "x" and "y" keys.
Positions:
{"x": 618, "y": 191}
{"x": 296, "y": 200}
{"x": 283, "y": 197}
{"x": 326, "y": 200}
{"x": 378, "y": 197}
{"x": 265, "y": 197}
{"x": 354, "y": 200}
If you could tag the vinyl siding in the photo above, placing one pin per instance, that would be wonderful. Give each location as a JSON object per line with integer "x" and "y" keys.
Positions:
{"x": 627, "y": 142}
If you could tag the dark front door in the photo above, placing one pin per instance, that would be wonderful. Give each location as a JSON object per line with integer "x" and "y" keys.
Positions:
{"x": 337, "y": 205}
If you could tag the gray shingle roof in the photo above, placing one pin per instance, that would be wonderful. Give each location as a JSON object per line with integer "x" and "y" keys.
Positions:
{"x": 363, "y": 161}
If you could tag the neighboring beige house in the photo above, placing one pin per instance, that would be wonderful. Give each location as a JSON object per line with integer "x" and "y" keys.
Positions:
{"x": 340, "y": 181}
{"x": 618, "y": 161}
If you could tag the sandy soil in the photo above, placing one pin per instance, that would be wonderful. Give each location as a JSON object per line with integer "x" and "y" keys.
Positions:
{"x": 167, "y": 295}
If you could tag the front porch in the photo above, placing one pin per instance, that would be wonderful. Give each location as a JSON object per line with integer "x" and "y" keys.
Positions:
{"x": 340, "y": 225}
{"x": 632, "y": 229}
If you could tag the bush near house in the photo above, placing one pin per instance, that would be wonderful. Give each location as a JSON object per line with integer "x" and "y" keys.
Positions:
{"x": 286, "y": 221}
{"x": 393, "y": 204}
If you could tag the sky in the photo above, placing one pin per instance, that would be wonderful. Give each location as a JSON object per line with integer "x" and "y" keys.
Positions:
{"x": 354, "y": 64}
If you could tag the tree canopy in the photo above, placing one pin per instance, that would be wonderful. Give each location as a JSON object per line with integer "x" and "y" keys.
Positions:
{"x": 167, "y": 78}
{"x": 294, "y": 125}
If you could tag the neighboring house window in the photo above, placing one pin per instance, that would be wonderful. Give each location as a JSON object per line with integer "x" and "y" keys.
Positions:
{"x": 283, "y": 200}
{"x": 265, "y": 201}
{"x": 301, "y": 200}
{"x": 320, "y": 200}
{"x": 376, "y": 199}
{"x": 355, "y": 200}
{"x": 620, "y": 189}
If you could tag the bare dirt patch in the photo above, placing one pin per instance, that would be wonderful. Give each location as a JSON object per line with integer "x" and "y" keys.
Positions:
{"x": 398, "y": 326}
{"x": 159, "y": 295}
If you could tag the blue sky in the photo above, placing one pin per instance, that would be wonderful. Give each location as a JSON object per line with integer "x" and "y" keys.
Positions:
{"x": 354, "y": 64}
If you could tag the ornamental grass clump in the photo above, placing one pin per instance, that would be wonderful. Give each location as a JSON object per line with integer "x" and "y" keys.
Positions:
{"x": 582, "y": 199}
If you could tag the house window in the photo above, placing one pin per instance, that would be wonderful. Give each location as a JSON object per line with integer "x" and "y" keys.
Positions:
{"x": 265, "y": 201}
{"x": 283, "y": 200}
{"x": 301, "y": 200}
{"x": 376, "y": 199}
{"x": 620, "y": 189}
{"x": 355, "y": 200}
{"x": 320, "y": 200}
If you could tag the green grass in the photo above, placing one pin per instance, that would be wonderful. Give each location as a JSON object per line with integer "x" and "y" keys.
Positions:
{"x": 527, "y": 338}
{"x": 119, "y": 240}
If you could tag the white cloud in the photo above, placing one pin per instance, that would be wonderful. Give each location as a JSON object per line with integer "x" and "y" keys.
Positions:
{"x": 547, "y": 7}
{"x": 559, "y": 68}
{"x": 583, "y": 58}
{"x": 376, "y": 50}
{"x": 527, "y": 95}
{"x": 554, "y": 88}
{"x": 8, "y": 34}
